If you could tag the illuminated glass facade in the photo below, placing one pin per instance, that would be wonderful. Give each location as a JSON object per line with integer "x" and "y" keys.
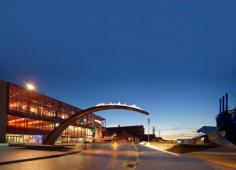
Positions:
{"x": 31, "y": 116}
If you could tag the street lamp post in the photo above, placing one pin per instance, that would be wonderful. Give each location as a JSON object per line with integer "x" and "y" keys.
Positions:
{"x": 148, "y": 121}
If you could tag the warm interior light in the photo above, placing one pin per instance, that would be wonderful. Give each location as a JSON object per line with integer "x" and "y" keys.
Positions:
{"x": 98, "y": 121}
{"x": 114, "y": 146}
{"x": 30, "y": 86}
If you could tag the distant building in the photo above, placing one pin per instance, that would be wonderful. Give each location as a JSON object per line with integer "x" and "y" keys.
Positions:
{"x": 212, "y": 135}
{"x": 185, "y": 141}
{"x": 151, "y": 137}
{"x": 225, "y": 131}
{"x": 125, "y": 133}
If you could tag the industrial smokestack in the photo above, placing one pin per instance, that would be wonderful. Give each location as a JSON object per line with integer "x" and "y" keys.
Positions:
{"x": 223, "y": 104}
{"x": 220, "y": 105}
{"x": 226, "y": 101}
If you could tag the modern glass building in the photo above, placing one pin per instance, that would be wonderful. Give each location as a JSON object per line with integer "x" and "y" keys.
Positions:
{"x": 27, "y": 116}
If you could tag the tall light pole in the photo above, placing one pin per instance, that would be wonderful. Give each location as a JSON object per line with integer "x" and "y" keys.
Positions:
{"x": 148, "y": 121}
{"x": 154, "y": 130}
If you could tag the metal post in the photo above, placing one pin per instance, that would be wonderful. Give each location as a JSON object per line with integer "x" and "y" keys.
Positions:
{"x": 220, "y": 109}
{"x": 223, "y": 104}
{"x": 226, "y": 102}
{"x": 148, "y": 121}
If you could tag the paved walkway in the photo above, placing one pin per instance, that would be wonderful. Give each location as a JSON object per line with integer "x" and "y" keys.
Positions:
{"x": 104, "y": 157}
{"x": 107, "y": 157}
{"x": 150, "y": 158}
{"x": 19, "y": 154}
{"x": 222, "y": 156}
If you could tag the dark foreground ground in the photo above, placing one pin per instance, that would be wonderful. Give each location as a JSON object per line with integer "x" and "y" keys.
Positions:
{"x": 117, "y": 156}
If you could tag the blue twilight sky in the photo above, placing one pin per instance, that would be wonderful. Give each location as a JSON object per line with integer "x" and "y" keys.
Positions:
{"x": 171, "y": 58}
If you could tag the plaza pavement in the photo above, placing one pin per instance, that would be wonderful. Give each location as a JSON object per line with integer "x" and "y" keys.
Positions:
{"x": 20, "y": 154}
{"x": 109, "y": 157}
